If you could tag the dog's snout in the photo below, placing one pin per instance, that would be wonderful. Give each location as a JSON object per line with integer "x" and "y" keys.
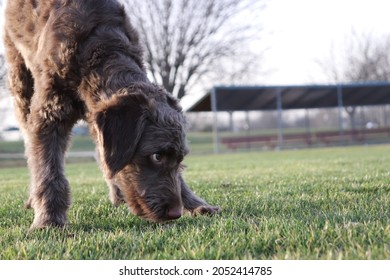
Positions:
{"x": 174, "y": 212}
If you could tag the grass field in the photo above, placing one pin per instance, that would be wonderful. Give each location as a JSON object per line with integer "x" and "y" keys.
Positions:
{"x": 310, "y": 204}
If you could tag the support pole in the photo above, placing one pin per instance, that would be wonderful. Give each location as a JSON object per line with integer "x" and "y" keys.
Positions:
{"x": 307, "y": 121}
{"x": 248, "y": 130}
{"x": 215, "y": 121}
{"x": 231, "y": 121}
{"x": 362, "y": 118}
{"x": 340, "y": 107}
{"x": 307, "y": 127}
{"x": 280, "y": 117}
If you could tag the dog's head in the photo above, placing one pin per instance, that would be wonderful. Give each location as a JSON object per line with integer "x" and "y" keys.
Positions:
{"x": 142, "y": 144}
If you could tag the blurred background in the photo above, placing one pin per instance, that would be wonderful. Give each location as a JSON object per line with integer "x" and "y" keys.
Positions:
{"x": 193, "y": 46}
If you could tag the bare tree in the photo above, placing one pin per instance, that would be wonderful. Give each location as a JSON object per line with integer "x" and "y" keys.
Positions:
{"x": 366, "y": 58}
{"x": 190, "y": 42}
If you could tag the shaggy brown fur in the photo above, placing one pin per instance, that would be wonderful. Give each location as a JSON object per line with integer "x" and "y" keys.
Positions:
{"x": 81, "y": 59}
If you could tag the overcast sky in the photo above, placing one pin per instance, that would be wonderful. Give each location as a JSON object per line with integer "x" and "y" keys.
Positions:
{"x": 304, "y": 30}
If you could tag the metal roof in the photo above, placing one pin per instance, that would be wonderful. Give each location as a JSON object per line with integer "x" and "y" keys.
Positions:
{"x": 247, "y": 98}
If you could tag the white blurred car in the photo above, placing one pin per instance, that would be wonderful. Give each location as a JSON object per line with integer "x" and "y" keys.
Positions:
{"x": 11, "y": 133}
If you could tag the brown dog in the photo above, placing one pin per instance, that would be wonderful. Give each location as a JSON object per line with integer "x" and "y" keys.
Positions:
{"x": 81, "y": 59}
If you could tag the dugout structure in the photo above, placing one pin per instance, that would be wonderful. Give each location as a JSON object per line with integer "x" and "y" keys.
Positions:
{"x": 281, "y": 99}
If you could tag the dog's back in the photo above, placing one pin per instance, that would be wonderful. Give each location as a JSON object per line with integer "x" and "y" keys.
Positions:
{"x": 32, "y": 22}
{"x": 57, "y": 34}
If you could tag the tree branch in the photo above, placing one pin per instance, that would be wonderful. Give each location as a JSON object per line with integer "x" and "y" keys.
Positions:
{"x": 185, "y": 38}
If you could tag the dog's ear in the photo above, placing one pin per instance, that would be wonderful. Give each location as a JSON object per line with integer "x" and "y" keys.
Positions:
{"x": 120, "y": 126}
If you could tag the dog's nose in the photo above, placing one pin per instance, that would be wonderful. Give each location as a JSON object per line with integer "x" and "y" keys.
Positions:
{"x": 174, "y": 213}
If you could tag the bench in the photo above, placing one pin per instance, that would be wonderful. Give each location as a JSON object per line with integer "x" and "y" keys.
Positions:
{"x": 298, "y": 139}
{"x": 269, "y": 141}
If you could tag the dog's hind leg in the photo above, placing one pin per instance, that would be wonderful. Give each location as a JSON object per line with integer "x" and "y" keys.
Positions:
{"x": 20, "y": 80}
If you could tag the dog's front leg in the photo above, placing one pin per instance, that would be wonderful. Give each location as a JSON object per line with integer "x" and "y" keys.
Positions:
{"x": 49, "y": 131}
{"x": 195, "y": 204}
{"x": 115, "y": 195}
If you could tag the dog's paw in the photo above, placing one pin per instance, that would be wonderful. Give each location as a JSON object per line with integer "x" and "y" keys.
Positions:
{"x": 48, "y": 220}
{"x": 206, "y": 210}
{"x": 116, "y": 196}
{"x": 42, "y": 224}
{"x": 28, "y": 204}
{"x": 116, "y": 201}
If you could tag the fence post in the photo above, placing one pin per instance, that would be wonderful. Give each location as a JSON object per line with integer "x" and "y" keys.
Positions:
{"x": 215, "y": 120}
{"x": 279, "y": 108}
{"x": 340, "y": 107}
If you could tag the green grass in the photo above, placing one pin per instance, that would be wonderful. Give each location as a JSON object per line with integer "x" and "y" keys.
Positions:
{"x": 79, "y": 143}
{"x": 201, "y": 143}
{"x": 308, "y": 204}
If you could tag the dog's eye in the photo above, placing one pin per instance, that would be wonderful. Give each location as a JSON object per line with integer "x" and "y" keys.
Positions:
{"x": 157, "y": 157}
